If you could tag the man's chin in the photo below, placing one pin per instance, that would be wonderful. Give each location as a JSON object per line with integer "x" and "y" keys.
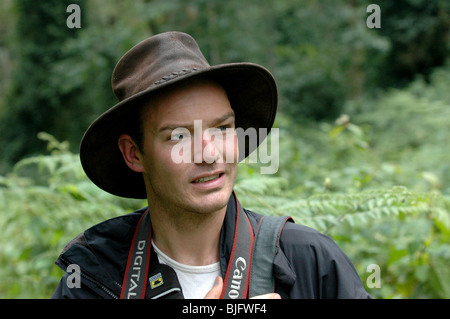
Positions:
{"x": 213, "y": 202}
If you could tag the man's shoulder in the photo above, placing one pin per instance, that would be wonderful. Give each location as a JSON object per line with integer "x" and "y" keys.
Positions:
{"x": 106, "y": 242}
{"x": 116, "y": 229}
{"x": 311, "y": 258}
{"x": 294, "y": 234}
{"x": 302, "y": 243}
{"x": 101, "y": 251}
{"x": 298, "y": 235}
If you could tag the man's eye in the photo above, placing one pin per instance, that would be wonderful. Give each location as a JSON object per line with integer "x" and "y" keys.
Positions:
{"x": 177, "y": 137}
{"x": 179, "y": 134}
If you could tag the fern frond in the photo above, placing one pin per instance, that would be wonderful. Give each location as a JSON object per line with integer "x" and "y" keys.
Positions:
{"x": 325, "y": 211}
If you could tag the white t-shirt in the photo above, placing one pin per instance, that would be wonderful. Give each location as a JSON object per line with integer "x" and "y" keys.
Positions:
{"x": 195, "y": 281}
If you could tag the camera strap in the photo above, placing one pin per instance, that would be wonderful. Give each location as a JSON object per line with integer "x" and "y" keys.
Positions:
{"x": 267, "y": 243}
{"x": 237, "y": 277}
{"x": 138, "y": 263}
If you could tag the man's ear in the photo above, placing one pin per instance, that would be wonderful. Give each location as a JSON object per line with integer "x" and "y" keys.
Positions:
{"x": 131, "y": 153}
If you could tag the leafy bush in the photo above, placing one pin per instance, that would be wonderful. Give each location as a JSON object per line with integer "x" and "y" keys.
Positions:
{"x": 45, "y": 202}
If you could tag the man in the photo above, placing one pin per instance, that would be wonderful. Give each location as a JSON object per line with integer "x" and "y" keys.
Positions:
{"x": 194, "y": 240}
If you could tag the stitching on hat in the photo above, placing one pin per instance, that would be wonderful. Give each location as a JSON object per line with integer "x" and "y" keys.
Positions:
{"x": 174, "y": 75}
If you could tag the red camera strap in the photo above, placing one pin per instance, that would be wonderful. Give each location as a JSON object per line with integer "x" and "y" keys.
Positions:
{"x": 237, "y": 277}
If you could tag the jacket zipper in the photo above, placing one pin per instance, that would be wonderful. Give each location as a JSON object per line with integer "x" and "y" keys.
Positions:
{"x": 96, "y": 282}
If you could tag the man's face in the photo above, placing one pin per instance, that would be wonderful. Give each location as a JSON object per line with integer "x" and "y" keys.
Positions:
{"x": 203, "y": 181}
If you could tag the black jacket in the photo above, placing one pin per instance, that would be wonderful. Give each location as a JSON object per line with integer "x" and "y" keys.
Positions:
{"x": 308, "y": 264}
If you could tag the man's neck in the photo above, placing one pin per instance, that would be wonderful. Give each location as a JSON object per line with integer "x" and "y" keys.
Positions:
{"x": 189, "y": 238}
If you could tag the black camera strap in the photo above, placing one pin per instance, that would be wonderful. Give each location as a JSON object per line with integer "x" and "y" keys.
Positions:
{"x": 236, "y": 281}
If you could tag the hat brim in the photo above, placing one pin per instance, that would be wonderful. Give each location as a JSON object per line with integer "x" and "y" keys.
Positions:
{"x": 253, "y": 96}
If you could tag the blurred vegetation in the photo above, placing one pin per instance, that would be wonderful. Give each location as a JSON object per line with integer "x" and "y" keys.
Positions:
{"x": 363, "y": 117}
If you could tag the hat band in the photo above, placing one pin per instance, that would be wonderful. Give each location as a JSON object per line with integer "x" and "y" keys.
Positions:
{"x": 174, "y": 75}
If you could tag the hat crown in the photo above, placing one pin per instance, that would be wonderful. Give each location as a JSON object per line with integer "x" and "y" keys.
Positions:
{"x": 156, "y": 60}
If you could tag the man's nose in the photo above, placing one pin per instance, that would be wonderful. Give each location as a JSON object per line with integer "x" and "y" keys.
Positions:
{"x": 211, "y": 152}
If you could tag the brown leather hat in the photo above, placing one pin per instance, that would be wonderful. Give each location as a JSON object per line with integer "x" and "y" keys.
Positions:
{"x": 159, "y": 62}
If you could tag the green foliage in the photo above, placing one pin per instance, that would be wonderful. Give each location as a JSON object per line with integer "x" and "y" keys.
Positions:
{"x": 31, "y": 97}
{"x": 45, "y": 202}
{"x": 418, "y": 33}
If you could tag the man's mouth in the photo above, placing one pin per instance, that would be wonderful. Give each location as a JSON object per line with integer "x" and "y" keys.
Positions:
{"x": 207, "y": 178}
